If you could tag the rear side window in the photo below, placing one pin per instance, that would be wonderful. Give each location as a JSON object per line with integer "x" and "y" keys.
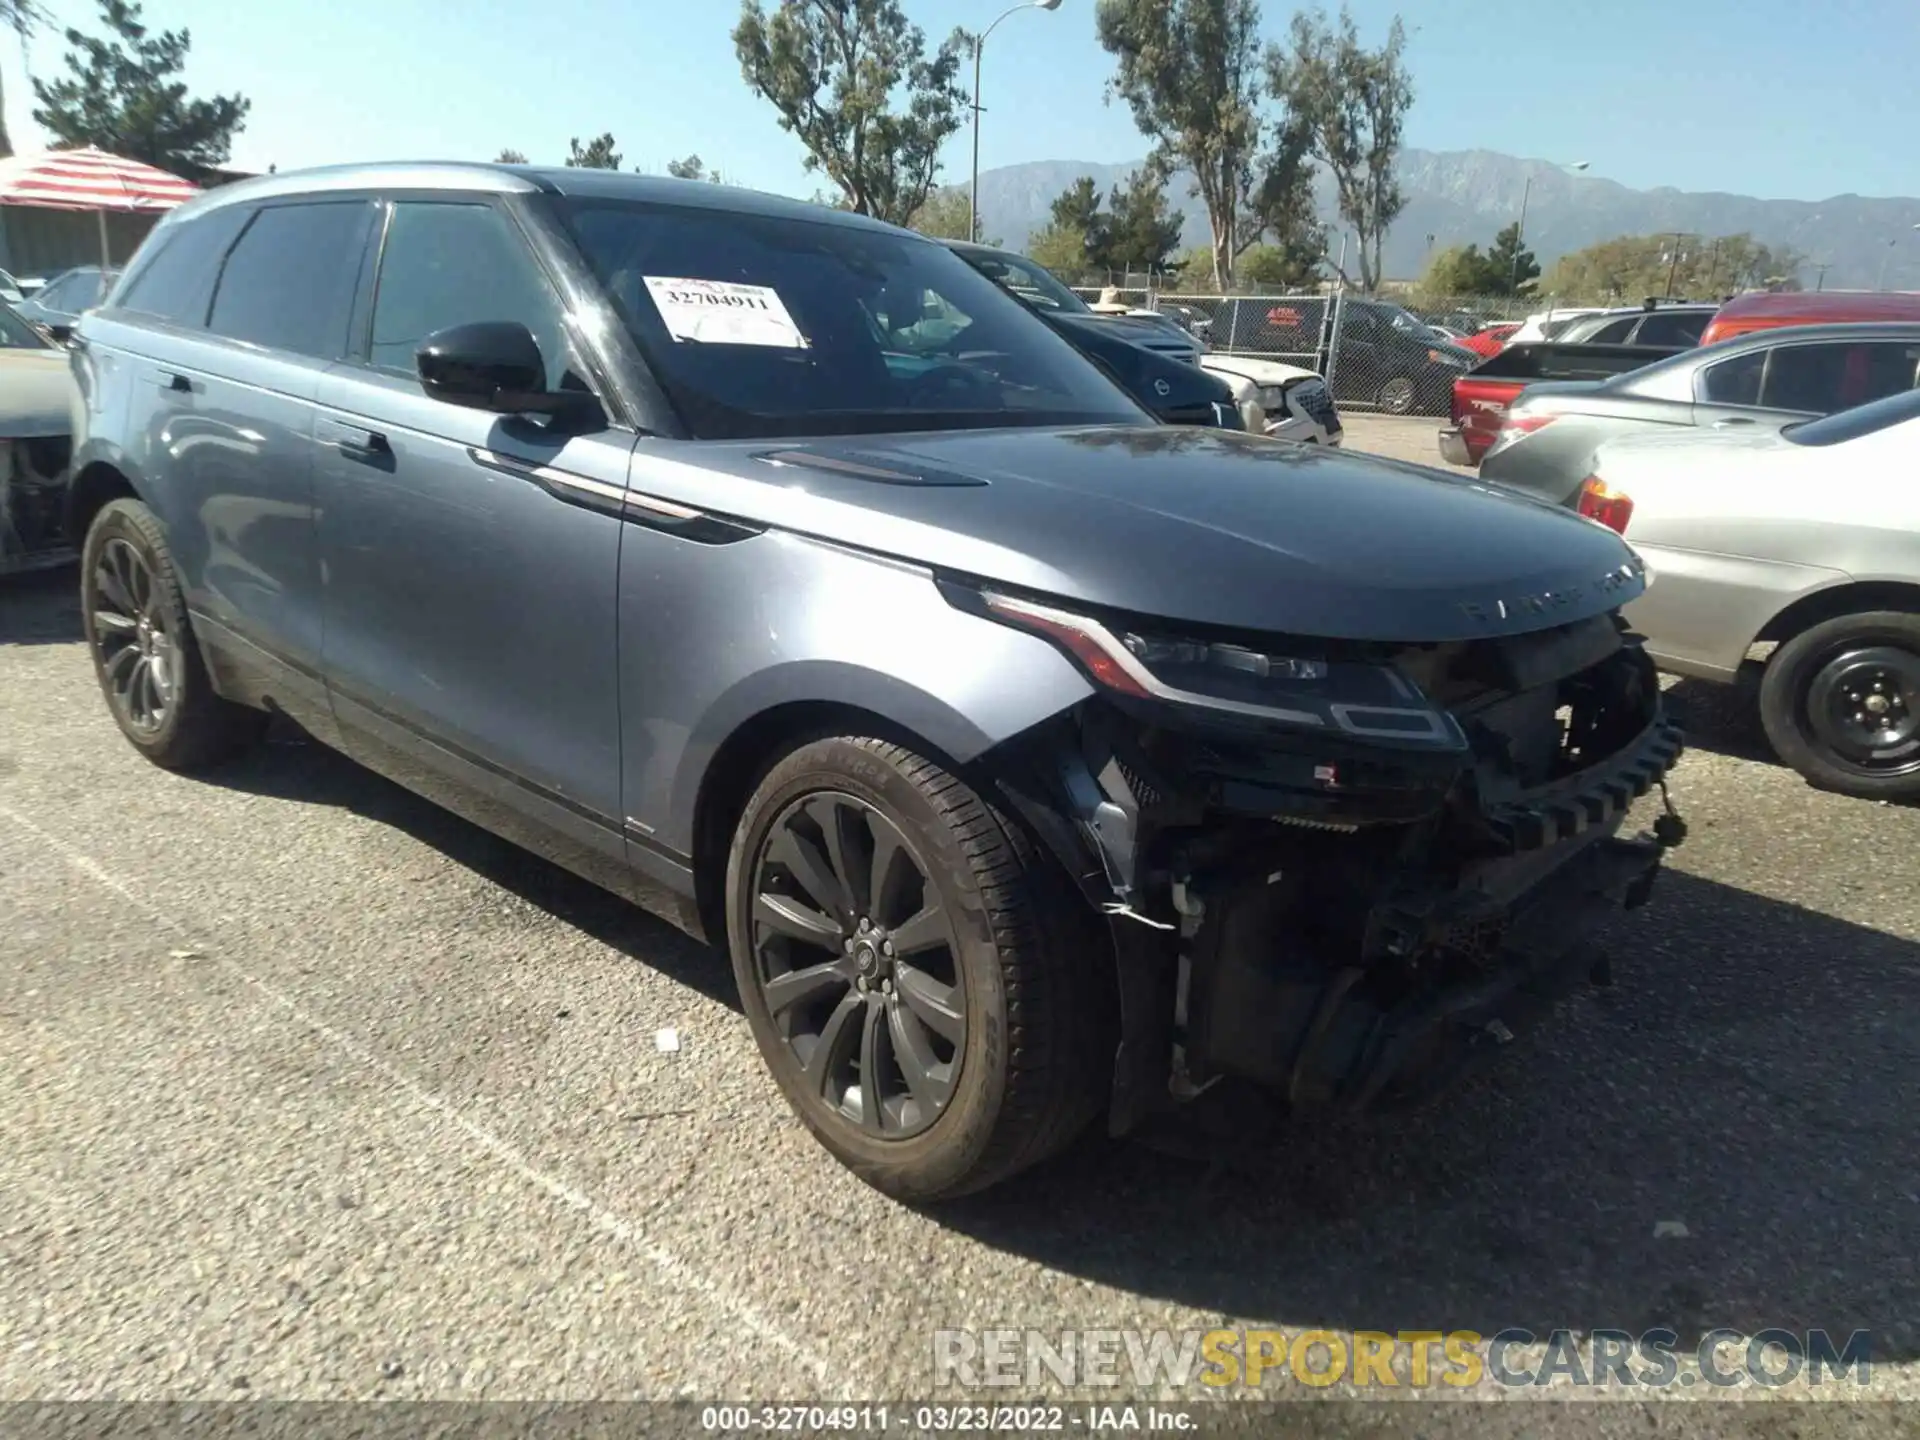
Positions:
{"x": 1837, "y": 376}
{"x": 1735, "y": 381}
{"x": 1671, "y": 329}
{"x": 288, "y": 284}
{"x": 177, "y": 283}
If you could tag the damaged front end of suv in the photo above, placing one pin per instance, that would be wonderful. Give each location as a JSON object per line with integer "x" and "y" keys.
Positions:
{"x": 1344, "y": 872}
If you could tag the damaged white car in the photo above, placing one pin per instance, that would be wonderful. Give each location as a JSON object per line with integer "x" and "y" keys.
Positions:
{"x": 36, "y": 445}
{"x": 1290, "y": 402}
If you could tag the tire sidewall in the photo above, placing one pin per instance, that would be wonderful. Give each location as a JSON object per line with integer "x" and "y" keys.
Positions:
{"x": 123, "y": 520}
{"x": 934, "y": 1159}
{"x": 1412, "y": 396}
{"x": 1784, "y": 695}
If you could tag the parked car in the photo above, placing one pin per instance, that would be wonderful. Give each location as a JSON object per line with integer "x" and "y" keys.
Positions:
{"x": 1805, "y": 537}
{"x": 1769, "y": 378}
{"x": 1651, "y": 323}
{"x": 1547, "y": 324}
{"x": 1391, "y": 360}
{"x": 36, "y": 444}
{"x": 1269, "y": 398}
{"x": 55, "y": 306}
{"x": 10, "y": 289}
{"x": 1765, "y": 310}
{"x": 1489, "y": 340}
{"x": 988, "y": 723}
{"x": 1157, "y": 362}
{"x": 1482, "y": 397}
{"x": 1195, "y": 321}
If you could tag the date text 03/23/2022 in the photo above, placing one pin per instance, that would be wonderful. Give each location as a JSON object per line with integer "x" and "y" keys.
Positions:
{"x": 941, "y": 1419}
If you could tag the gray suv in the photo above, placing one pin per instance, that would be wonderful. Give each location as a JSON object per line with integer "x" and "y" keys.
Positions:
{"x": 1033, "y": 760}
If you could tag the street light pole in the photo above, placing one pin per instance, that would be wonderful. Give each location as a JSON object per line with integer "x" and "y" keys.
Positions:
{"x": 980, "y": 44}
{"x": 1520, "y": 230}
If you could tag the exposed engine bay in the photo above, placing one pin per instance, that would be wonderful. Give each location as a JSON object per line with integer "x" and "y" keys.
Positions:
{"x": 33, "y": 496}
{"x": 1349, "y": 907}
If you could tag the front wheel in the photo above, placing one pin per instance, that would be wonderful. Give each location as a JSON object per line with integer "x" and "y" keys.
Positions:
{"x": 1841, "y": 704}
{"x": 928, "y": 997}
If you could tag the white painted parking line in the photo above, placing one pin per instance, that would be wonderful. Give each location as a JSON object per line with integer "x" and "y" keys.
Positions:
{"x": 671, "y": 1268}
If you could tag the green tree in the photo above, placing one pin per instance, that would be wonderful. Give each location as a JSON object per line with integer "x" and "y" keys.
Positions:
{"x": 124, "y": 95}
{"x": 1352, "y": 103}
{"x": 832, "y": 70}
{"x": 1190, "y": 72}
{"x": 1506, "y": 267}
{"x": 509, "y": 157}
{"x": 22, "y": 17}
{"x": 1457, "y": 270}
{"x": 1628, "y": 268}
{"x": 597, "y": 154}
{"x": 1142, "y": 229}
{"x": 944, "y": 216}
{"x": 1282, "y": 212}
{"x": 1279, "y": 267}
{"x": 693, "y": 168}
{"x": 1076, "y": 212}
{"x": 1063, "y": 250}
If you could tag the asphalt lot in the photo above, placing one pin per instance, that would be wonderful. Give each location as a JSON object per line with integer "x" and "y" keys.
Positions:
{"x": 310, "y": 1090}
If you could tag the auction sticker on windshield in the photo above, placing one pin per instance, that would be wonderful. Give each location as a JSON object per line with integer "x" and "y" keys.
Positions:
{"x": 720, "y": 312}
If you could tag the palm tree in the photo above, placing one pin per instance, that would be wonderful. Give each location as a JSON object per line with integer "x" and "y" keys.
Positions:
{"x": 21, "y": 16}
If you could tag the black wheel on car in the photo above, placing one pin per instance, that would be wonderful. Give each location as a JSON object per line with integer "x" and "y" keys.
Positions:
{"x": 144, "y": 651}
{"x": 1841, "y": 704}
{"x": 928, "y": 994}
{"x": 1397, "y": 396}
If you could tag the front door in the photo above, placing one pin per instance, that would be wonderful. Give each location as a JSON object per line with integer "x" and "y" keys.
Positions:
{"x": 471, "y": 559}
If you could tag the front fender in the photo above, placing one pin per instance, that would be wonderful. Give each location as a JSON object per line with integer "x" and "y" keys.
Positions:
{"x": 713, "y": 637}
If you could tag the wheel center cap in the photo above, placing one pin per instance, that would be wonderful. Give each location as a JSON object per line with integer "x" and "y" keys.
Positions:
{"x": 1877, "y": 704}
{"x": 866, "y": 958}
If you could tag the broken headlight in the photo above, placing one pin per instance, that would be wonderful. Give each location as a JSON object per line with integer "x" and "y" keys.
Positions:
{"x": 1374, "y": 702}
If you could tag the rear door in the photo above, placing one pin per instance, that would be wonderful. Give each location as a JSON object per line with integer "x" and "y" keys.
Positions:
{"x": 472, "y": 559}
{"x": 226, "y": 380}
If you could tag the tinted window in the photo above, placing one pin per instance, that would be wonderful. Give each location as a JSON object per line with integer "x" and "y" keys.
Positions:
{"x": 1613, "y": 332}
{"x": 764, "y": 325}
{"x": 177, "y": 283}
{"x": 1837, "y": 376}
{"x": 288, "y": 284}
{"x": 1860, "y": 421}
{"x": 1735, "y": 381}
{"x": 1671, "y": 328}
{"x": 1030, "y": 282}
{"x": 16, "y": 334}
{"x": 55, "y": 293}
{"x": 459, "y": 264}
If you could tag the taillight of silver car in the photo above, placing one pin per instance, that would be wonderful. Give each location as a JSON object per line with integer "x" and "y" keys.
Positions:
{"x": 1600, "y": 501}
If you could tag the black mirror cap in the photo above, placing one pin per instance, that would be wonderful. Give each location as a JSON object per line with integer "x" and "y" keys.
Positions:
{"x": 490, "y": 365}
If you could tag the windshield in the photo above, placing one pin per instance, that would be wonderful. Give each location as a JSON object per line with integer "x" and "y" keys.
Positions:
{"x": 1407, "y": 324}
{"x": 1032, "y": 283}
{"x": 16, "y": 334}
{"x": 1862, "y": 420}
{"x": 758, "y": 325}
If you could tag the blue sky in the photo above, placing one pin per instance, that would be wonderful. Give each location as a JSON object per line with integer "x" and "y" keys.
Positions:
{"x": 1760, "y": 97}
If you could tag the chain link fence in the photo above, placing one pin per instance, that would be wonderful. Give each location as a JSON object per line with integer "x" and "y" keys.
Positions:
{"x": 1376, "y": 353}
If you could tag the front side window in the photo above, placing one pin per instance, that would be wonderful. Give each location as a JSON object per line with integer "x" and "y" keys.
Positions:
{"x": 1613, "y": 332}
{"x": 761, "y": 325}
{"x": 1837, "y": 376}
{"x": 1671, "y": 328}
{"x": 289, "y": 280}
{"x": 16, "y": 334}
{"x": 459, "y": 263}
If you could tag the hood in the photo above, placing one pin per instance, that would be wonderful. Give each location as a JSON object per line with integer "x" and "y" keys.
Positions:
{"x": 1212, "y": 527}
{"x": 1154, "y": 333}
{"x": 36, "y": 393}
{"x": 1260, "y": 372}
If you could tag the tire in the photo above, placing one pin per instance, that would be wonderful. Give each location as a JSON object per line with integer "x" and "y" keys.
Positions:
{"x": 1807, "y": 695}
{"x": 135, "y": 617}
{"x": 1397, "y": 396}
{"x": 1023, "y": 966}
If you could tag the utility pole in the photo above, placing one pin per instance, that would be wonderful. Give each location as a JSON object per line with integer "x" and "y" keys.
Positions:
{"x": 1820, "y": 275}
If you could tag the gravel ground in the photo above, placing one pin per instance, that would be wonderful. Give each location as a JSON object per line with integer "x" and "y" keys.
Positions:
{"x": 312, "y": 1091}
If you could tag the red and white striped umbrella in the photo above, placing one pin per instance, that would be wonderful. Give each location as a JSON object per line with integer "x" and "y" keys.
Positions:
{"x": 89, "y": 179}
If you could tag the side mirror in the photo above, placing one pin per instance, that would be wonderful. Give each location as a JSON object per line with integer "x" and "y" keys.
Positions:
{"x": 492, "y": 365}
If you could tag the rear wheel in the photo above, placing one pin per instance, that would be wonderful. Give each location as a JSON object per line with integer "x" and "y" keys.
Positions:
{"x": 1841, "y": 704}
{"x": 1397, "y": 396}
{"x": 928, "y": 997}
{"x": 144, "y": 651}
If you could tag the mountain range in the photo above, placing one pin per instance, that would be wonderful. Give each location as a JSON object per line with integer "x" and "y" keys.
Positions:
{"x": 1459, "y": 197}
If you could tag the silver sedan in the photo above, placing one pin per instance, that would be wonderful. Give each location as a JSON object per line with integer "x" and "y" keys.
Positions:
{"x": 1807, "y": 539}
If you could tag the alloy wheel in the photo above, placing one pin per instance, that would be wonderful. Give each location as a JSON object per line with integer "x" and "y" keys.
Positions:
{"x": 1863, "y": 705}
{"x": 858, "y": 963}
{"x": 1396, "y": 396}
{"x": 138, "y": 656}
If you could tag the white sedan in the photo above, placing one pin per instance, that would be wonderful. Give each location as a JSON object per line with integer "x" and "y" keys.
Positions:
{"x": 1807, "y": 538}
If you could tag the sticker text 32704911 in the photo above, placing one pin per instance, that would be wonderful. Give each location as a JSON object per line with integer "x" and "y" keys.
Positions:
{"x": 720, "y": 312}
